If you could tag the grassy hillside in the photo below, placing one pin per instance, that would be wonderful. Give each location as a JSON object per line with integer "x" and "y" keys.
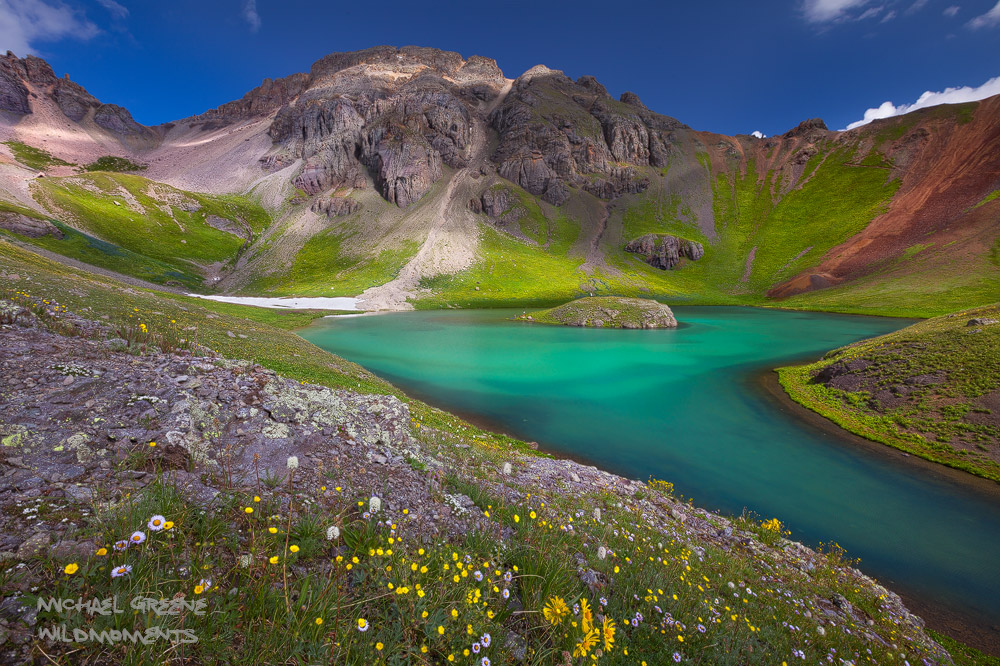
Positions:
{"x": 931, "y": 389}
{"x": 149, "y": 230}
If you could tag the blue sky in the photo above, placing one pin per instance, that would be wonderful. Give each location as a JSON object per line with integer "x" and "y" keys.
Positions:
{"x": 729, "y": 67}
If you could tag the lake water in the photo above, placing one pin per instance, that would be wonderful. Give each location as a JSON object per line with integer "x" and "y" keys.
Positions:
{"x": 686, "y": 405}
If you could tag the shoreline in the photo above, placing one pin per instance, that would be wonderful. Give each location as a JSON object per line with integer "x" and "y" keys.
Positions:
{"x": 973, "y": 631}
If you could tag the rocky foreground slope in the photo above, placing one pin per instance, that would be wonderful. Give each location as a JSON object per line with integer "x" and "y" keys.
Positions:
{"x": 376, "y": 542}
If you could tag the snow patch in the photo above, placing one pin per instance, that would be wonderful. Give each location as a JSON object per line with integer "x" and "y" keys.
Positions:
{"x": 292, "y": 303}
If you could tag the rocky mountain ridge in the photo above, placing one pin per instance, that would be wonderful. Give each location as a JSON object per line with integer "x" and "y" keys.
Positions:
{"x": 449, "y": 141}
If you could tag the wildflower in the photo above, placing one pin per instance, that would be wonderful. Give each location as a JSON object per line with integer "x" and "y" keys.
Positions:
{"x": 205, "y": 584}
{"x": 486, "y": 639}
{"x": 533, "y": 515}
{"x": 71, "y": 568}
{"x": 476, "y": 647}
{"x": 517, "y": 518}
{"x": 440, "y": 630}
{"x": 485, "y": 661}
{"x": 332, "y": 533}
{"x": 586, "y": 643}
{"x": 374, "y": 504}
{"x": 124, "y": 570}
{"x": 152, "y": 445}
{"x": 292, "y": 463}
{"x": 319, "y": 621}
{"x": 506, "y": 593}
{"x": 588, "y": 615}
{"x": 677, "y": 657}
{"x": 478, "y": 575}
{"x": 256, "y": 499}
{"x": 608, "y": 632}
{"x": 555, "y": 610}
{"x": 101, "y": 552}
{"x": 273, "y": 560}
{"x": 379, "y": 646}
{"x": 137, "y": 537}
{"x": 293, "y": 548}
{"x": 249, "y": 509}
{"x": 362, "y": 624}
{"x": 272, "y": 530}
{"x": 198, "y": 589}
{"x": 121, "y": 545}
{"x": 156, "y": 523}
{"x": 168, "y": 525}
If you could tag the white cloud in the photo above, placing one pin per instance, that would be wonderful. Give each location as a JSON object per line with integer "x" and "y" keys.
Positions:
{"x": 916, "y": 7}
{"x": 758, "y": 134}
{"x": 951, "y": 11}
{"x": 871, "y": 12}
{"x": 115, "y": 9}
{"x": 250, "y": 15}
{"x": 946, "y": 96}
{"x": 888, "y": 17}
{"x": 990, "y": 19}
{"x": 823, "y": 11}
{"x": 23, "y": 23}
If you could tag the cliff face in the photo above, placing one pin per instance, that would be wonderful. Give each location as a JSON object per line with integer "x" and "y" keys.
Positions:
{"x": 556, "y": 133}
{"x": 396, "y": 114}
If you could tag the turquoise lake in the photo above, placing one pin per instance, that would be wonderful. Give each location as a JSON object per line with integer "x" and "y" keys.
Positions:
{"x": 687, "y": 405}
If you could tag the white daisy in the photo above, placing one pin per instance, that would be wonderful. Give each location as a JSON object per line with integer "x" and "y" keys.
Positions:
{"x": 137, "y": 537}
{"x": 123, "y": 570}
{"x": 156, "y": 523}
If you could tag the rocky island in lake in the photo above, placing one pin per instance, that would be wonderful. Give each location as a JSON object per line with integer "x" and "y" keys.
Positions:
{"x": 607, "y": 312}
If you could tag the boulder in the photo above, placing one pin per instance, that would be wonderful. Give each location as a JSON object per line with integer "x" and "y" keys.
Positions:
{"x": 336, "y": 206}
{"x": 665, "y": 251}
{"x": 28, "y": 226}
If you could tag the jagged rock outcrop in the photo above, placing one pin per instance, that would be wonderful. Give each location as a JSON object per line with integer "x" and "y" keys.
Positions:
{"x": 28, "y": 226}
{"x": 807, "y": 127}
{"x": 335, "y": 206}
{"x": 17, "y": 75}
{"x": 664, "y": 251}
{"x": 263, "y": 100}
{"x": 556, "y": 134}
{"x": 400, "y": 114}
{"x": 13, "y": 92}
{"x": 496, "y": 201}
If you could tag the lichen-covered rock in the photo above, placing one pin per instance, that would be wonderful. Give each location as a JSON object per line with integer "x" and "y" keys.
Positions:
{"x": 607, "y": 312}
